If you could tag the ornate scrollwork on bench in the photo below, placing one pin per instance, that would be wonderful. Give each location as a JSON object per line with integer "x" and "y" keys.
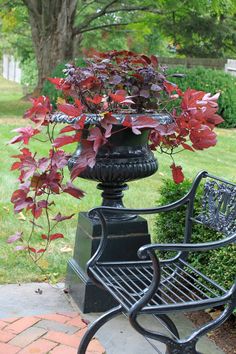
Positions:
{"x": 158, "y": 287}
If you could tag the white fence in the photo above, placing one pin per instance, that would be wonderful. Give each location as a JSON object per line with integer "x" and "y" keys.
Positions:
{"x": 11, "y": 68}
{"x": 230, "y": 67}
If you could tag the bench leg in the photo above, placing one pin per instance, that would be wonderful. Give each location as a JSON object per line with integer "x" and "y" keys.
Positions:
{"x": 189, "y": 345}
{"x": 94, "y": 327}
{"x": 169, "y": 324}
{"x": 181, "y": 348}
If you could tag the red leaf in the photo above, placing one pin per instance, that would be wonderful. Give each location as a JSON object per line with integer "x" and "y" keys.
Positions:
{"x": 107, "y": 123}
{"x": 25, "y": 153}
{"x": 96, "y": 99}
{"x": 154, "y": 61}
{"x": 146, "y": 58}
{"x": 79, "y": 105}
{"x": 28, "y": 166}
{"x": 215, "y": 119}
{"x": 67, "y": 129}
{"x": 32, "y": 249}
{"x": 177, "y": 173}
{"x": 43, "y": 204}
{"x": 53, "y": 181}
{"x": 15, "y": 165}
{"x": 169, "y": 87}
{"x": 72, "y": 190}
{"x": 39, "y": 111}
{"x": 89, "y": 82}
{"x": 138, "y": 76}
{"x": 25, "y": 134}
{"x": 70, "y": 109}
{"x": 140, "y": 122}
{"x": 78, "y": 168}
{"x": 155, "y": 139}
{"x": 63, "y": 140}
{"x": 191, "y": 99}
{"x": 67, "y": 139}
{"x": 36, "y": 211}
{"x": 59, "y": 158}
{"x": 20, "y": 200}
{"x": 55, "y": 236}
{"x": 41, "y": 250}
{"x": 13, "y": 238}
{"x": 43, "y": 164}
{"x": 97, "y": 137}
{"x": 86, "y": 159}
{"x": 119, "y": 96}
{"x": 50, "y": 180}
{"x": 202, "y": 138}
{"x": 187, "y": 147}
{"x": 61, "y": 84}
{"x": 60, "y": 217}
{"x": 44, "y": 237}
{"x": 18, "y": 195}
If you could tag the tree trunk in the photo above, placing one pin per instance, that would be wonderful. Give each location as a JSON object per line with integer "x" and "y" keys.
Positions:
{"x": 52, "y": 33}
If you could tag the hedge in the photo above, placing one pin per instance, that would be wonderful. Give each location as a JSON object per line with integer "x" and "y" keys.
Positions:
{"x": 220, "y": 264}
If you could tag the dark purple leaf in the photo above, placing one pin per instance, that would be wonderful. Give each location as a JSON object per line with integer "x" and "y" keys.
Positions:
{"x": 60, "y": 217}
{"x": 155, "y": 87}
{"x": 115, "y": 80}
{"x": 144, "y": 93}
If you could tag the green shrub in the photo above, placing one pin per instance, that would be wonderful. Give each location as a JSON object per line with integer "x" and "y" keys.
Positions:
{"x": 49, "y": 89}
{"x": 219, "y": 264}
{"x": 213, "y": 81}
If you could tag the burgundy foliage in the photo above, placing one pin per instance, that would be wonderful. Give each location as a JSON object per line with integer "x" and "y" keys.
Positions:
{"x": 112, "y": 82}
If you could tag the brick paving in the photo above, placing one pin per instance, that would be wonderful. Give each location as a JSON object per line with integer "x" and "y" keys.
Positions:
{"x": 58, "y": 333}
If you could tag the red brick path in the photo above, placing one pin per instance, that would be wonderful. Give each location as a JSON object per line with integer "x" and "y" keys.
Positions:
{"x": 58, "y": 333}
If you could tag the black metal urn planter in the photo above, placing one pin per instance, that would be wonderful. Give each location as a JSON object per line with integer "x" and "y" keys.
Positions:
{"x": 125, "y": 157}
{"x": 118, "y": 107}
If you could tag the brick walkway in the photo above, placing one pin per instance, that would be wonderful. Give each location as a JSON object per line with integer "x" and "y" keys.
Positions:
{"x": 58, "y": 333}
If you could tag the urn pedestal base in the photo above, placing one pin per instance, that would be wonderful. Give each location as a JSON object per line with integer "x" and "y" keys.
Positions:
{"x": 124, "y": 241}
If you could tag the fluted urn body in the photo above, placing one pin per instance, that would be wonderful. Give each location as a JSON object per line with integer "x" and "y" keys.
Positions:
{"x": 125, "y": 157}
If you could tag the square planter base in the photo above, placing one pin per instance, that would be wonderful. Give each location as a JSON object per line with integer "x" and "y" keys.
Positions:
{"x": 125, "y": 239}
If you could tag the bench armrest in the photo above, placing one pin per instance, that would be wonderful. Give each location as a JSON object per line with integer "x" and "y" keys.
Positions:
{"x": 159, "y": 209}
{"x": 187, "y": 247}
{"x": 101, "y": 212}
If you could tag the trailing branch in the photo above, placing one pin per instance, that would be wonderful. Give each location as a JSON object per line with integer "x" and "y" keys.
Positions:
{"x": 107, "y": 25}
{"x": 82, "y": 8}
{"x": 108, "y": 10}
{"x": 138, "y": 8}
{"x": 93, "y": 17}
{"x": 105, "y": 10}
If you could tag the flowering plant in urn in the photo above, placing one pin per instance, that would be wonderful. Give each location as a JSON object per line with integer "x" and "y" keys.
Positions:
{"x": 115, "y": 92}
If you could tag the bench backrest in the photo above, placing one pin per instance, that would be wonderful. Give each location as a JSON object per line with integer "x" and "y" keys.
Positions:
{"x": 218, "y": 208}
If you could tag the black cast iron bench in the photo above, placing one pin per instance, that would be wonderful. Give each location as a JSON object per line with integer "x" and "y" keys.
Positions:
{"x": 157, "y": 286}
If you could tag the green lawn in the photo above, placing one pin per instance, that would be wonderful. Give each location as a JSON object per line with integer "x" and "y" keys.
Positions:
{"x": 11, "y": 106}
{"x": 16, "y": 266}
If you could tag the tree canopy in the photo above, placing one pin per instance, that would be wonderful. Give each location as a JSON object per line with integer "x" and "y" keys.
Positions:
{"x": 60, "y": 29}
